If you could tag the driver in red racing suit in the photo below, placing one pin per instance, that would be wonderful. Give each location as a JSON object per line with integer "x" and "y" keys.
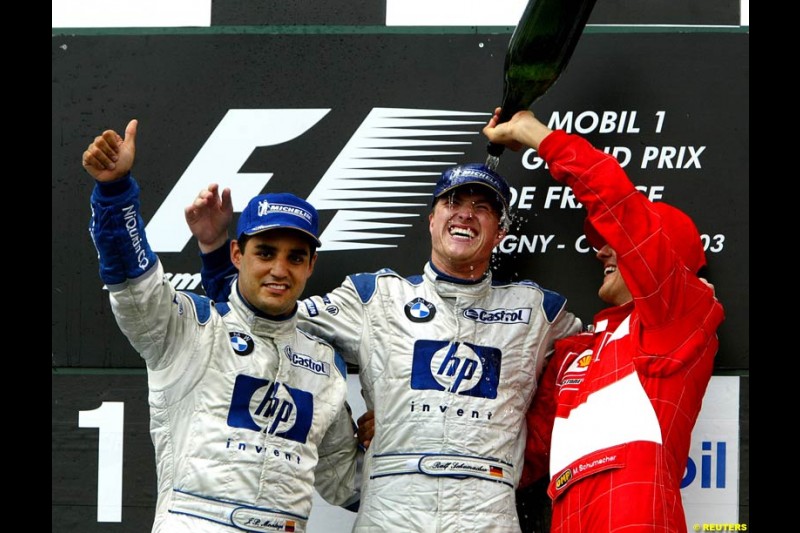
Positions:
{"x": 622, "y": 400}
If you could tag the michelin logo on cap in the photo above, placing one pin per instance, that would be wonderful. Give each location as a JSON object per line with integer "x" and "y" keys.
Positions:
{"x": 264, "y": 208}
{"x": 459, "y": 173}
{"x": 473, "y": 173}
{"x": 279, "y": 210}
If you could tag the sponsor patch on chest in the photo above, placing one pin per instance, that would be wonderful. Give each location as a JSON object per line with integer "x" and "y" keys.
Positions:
{"x": 271, "y": 407}
{"x": 420, "y": 310}
{"x": 521, "y": 315}
{"x": 307, "y": 362}
{"x": 242, "y": 343}
{"x": 575, "y": 373}
{"x": 460, "y": 368}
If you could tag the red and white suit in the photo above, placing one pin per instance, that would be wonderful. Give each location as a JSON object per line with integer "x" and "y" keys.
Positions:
{"x": 622, "y": 401}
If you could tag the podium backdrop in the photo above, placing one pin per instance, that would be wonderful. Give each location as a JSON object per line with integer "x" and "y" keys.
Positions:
{"x": 268, "y": 96}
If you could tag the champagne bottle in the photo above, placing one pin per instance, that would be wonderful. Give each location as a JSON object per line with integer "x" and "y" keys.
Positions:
{"x": 538, "y": 51}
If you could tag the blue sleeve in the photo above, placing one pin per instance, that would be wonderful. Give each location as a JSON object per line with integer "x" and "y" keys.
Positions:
{"x": 217, "y": 272}
{"x": 117, "y": 230}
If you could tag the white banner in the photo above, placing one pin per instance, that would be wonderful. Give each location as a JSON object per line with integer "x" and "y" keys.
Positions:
{"x": 454, "y": 12}
{"x": 130, "y": 13}
{"x": 710, "y": 486}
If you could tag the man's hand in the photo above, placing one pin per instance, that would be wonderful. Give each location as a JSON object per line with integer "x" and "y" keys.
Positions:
{"x": 366, "y": 428}
{"x": 523, "y": 130}
{"x": 209, "y": 216}
{"x": 110, "y": 157}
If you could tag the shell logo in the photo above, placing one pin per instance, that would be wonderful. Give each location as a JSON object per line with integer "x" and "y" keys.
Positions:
{"x": 584, "y": 361}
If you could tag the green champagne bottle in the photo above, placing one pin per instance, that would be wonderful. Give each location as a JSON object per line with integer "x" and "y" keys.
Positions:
{"x": 538, "y": 51}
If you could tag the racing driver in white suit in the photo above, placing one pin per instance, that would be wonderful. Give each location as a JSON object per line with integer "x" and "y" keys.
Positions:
{"x": 448, "y": 360}
{"x": 244, "y": 406}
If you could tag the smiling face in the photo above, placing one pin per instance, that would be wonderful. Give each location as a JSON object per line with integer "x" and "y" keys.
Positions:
{"x": 465, "y": 228}
{"x": 613, "y": 290}
{"x": 273, "y": 270}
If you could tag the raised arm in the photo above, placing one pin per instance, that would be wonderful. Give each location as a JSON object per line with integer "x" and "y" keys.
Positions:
{"x": 110, "y": 157}
{"x": 116, "y": 226}
{"x": 522, "y": 131}
{"x": 208, "y": 218}
{"x": 659, "y": 271}
{"x": 149, "y": 312}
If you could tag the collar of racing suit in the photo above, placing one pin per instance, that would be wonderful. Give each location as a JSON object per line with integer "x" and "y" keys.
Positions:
{"x": 611, "y": 317}
{"x": 259, "y": 324}
{"x": 448, "y": 286}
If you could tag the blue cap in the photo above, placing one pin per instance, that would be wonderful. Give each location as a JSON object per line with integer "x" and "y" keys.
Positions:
{"x": 278, "y": 210}
{"x": 473, "y": 173}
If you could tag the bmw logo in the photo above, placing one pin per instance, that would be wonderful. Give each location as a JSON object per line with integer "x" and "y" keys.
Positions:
{"x": 420, "y": 310}
{"x": 242, "y": 343}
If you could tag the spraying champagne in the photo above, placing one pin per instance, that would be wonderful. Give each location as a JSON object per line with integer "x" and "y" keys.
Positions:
{"x": 538, "y": 52}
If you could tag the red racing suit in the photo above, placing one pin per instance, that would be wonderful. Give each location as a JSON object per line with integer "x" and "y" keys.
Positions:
{"x": 622, "y": 401}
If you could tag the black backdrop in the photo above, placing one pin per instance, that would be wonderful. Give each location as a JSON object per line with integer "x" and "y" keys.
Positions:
{"x": 688, "y": 88}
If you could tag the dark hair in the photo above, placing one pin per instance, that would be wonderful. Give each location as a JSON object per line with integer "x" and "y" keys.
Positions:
{"x": 243, "y": 238}
{"x": 242, "y": 241}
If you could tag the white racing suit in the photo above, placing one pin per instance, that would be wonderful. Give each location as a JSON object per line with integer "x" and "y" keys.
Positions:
{"x": 450, "y": 369}
{"x": 242, "y": 409}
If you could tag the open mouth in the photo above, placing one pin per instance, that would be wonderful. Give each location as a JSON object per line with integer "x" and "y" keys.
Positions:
{"x": 465, "y": 233}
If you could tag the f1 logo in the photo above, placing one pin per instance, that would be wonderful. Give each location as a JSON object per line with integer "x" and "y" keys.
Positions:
{"x": 356, "y": 186}
{"x": 225, "y": 151}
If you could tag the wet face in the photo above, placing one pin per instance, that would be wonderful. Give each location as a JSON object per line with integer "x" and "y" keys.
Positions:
{"x": 613, "y": 290}
{"x": 465, "y": 228}
{"x": 273, "y": 270}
